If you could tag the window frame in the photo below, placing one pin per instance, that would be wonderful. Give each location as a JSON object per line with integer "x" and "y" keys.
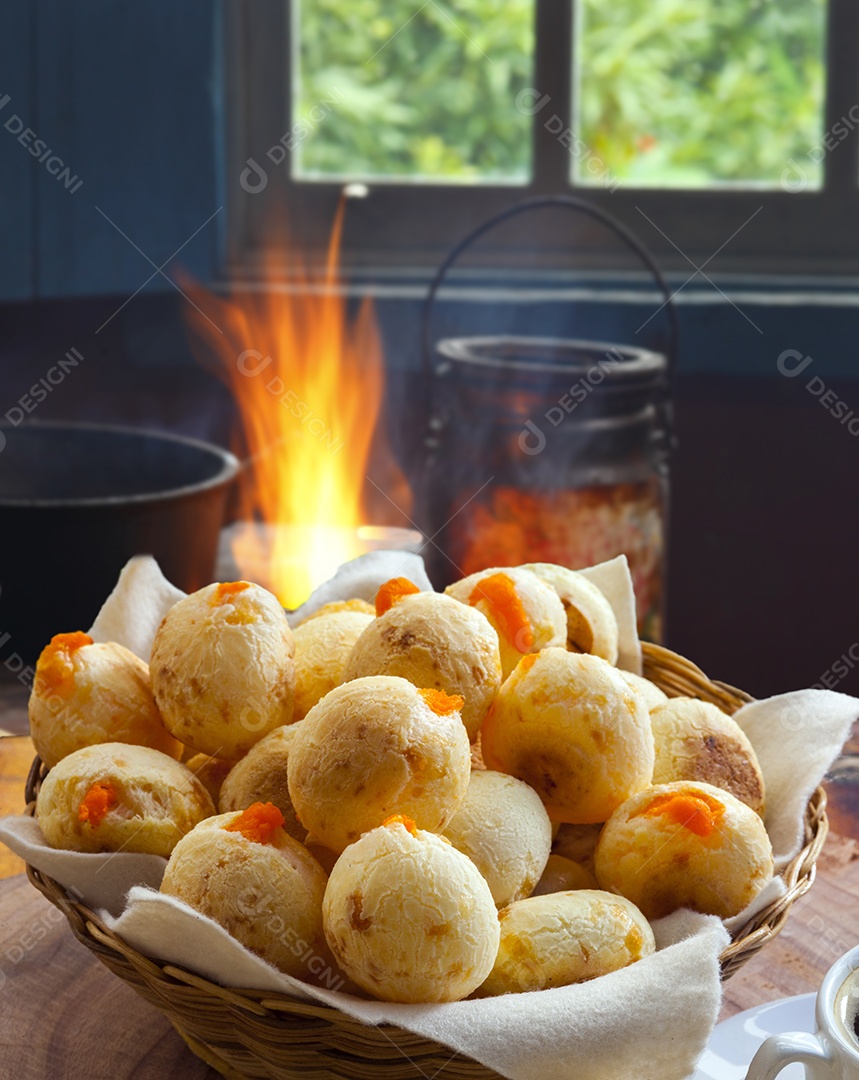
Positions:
{"x": 399, "y": 228}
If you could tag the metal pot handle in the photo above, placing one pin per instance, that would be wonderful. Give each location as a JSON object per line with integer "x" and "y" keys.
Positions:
{"x": 569, "y": 202}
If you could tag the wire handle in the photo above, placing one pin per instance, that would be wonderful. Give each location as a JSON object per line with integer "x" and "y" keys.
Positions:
{"x": 569, "y": 202}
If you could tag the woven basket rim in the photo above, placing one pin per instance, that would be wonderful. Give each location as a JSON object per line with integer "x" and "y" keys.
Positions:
{"x": 672, "y": 672}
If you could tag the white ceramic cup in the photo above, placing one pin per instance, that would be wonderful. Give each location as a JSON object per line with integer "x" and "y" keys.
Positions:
{"x": 832, "y": 1053}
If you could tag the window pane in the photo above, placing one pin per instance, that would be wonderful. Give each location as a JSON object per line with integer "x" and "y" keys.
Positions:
{"x": 407, "y": 89}
{"x": 691, "y": 93}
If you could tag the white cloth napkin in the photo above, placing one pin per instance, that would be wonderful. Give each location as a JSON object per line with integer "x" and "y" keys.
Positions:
{"x": 360, "y": 579}
{"x": 631, "y": 1025}
{"x": 99, "y": 881}
{"x": 651, "y": 1020}
{"x": 614, "y": 581}
{"x": 796, "y": 737}
{"x": 133, "y": 612}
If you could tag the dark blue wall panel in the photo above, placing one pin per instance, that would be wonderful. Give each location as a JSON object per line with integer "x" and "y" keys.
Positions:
{"x": 126, "y": 96}
{"x": 16, "y": 164}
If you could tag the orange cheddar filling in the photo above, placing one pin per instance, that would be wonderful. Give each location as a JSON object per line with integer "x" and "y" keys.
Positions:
{"x": 526, "y": 663}
{"x": 258, "y": 823}
{"x": 100, "y": 798}
{"x": 392, "y": 592}
{"x": 227, "y": 590}
{"x": 54, "y": 669}
{"x": 499, "y": 592}
{"x": 442, "y": 703}
{"x": 698, "y": 813}
{"x": 401, "y": 819}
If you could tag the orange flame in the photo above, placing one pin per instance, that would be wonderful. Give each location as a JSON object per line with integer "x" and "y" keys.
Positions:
{"x": 309, "y": 383}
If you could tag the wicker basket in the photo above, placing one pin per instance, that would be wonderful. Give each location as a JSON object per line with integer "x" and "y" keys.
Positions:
{"x": 249, "y": 1034}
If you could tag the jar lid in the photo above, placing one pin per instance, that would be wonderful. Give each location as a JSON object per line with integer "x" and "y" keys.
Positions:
{"x": 520, "y": 374}
{"x": 565, "y": 358}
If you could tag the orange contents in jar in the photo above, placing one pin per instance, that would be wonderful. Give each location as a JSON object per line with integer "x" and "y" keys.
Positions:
{"x": 575, "y": 527}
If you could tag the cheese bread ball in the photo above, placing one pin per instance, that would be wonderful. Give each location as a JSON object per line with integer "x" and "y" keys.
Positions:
{"x": 653, "y": 696}
{"x": 562, "y": 875}
{"x": 374, "y": 747}
{"x": 434, "y": 641}
{"x": 591, "y": 621}
{"x": 222, "y": 669}
{"x": 477, "y": 761}
{"x": 334, "y": 606}
{"x": 211, "y": 772}
{"x": 685, "y": 845}
{"x": 503, "y": 827}
{"x": 565, "y": 938}
{"x": 263, "y": 887}
{"x": 323, "y": 645}
{"x": 408, "y": 917}
{"x": 86, "y": 693}
{"x": 571, "y": 727}
{"x": 261, "y": 777}
{"x": 114, "y": 796}
{"x": 577, "y": 842}
{"x": 695, "y": 740}
{"x": 526, "y": 613}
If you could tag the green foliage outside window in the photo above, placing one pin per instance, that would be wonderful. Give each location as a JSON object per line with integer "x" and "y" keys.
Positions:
{"x": 670, "y": 92}
{"x": 691, "y": 92}
{"x": 421, "y": 91}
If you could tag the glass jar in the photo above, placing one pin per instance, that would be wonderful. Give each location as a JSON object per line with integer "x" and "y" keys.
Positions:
{"x": 549, "y": 450}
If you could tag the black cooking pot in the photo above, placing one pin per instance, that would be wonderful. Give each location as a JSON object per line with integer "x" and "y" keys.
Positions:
{"x": 77, "y": 501}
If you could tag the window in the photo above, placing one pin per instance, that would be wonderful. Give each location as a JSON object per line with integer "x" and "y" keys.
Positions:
{"x": 700, "y": 93}
{"x": 407, "y": 90}
{"x": 722, "y": 126}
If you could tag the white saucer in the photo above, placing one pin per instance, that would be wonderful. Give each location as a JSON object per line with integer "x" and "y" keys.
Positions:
{"x": 734, "y": 1042}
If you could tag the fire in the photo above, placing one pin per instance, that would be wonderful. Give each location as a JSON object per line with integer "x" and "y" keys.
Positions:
{"x": 309, "y": 382}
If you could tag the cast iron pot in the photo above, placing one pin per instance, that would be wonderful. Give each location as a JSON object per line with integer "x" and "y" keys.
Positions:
{"x": 77, "y": 501}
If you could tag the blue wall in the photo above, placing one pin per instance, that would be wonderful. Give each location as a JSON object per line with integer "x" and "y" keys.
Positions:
{"x": 135, "y": 122}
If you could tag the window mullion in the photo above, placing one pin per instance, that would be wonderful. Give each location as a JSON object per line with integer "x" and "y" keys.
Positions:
{"x": 552, "y": 82}
{"x": 840, "y": 142}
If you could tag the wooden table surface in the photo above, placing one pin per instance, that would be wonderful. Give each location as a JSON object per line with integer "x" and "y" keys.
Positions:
{"x": 66, "y": 1017}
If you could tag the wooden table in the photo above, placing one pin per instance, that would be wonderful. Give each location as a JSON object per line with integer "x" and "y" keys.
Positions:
{"x": 66, "y": 1017}
{"x": 16, "y": 756}
{"x": 13, "y": 707}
